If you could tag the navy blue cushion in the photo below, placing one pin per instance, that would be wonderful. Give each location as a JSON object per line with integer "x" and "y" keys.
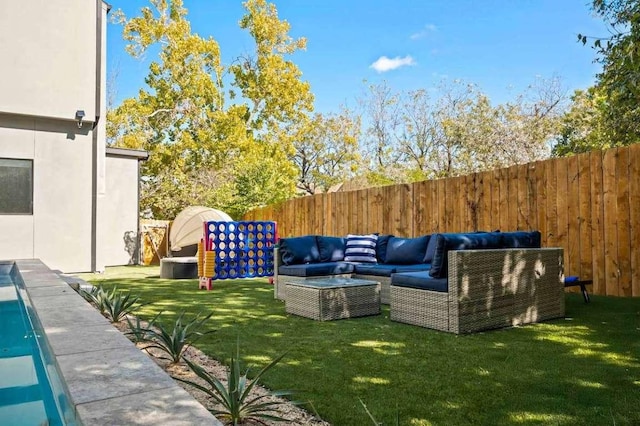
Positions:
{"x": 316, "y": 269}
{"x": 299, "y": 250}
{"x": 331, "y": 248}
{"x": 406, "y": 251}
{"x": 361, "y": 248}
{"x": 381, "y": 247}
{"x": 446, "y": 242}
{"x": 385, "y": 270}
{"x": 431, "y": 249}
{"x": 521, "y": 239}
{"x": 420, "y": 280}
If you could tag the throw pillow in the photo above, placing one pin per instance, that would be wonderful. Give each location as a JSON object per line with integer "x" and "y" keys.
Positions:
{"x": 299, "y": 250}
{"x": 361, "y": 248}
{"x": 331, "y": 248}
{"x": 406, "y": 251}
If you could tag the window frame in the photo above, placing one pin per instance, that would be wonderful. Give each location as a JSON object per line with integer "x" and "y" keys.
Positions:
{"x": 30, "y": 210}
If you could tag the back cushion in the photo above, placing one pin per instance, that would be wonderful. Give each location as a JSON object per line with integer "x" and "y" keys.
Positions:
{"x": 331, "y": 248}
{"x": 406, "y": 251}
{"x": 361, "y": 248}
{"x": 299, "y": 250}
{"x": 521, "y": 239}
{"x": 381, "y": 247}
{"x": 446, "y": 242}
{"x": 431, "y": 249}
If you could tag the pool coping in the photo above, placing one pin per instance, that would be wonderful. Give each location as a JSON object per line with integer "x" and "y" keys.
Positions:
{"x": 109, "y": 380}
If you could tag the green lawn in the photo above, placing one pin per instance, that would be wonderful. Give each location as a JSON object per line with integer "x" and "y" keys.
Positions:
{"x": 582, "y": 370}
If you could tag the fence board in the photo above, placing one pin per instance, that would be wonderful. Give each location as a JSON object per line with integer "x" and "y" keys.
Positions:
{"x": 376, "y": 199}
{"x": 634, "y": 216}
{"x": 573, "y": 212}
{"x": 450, "y": 204}
{"x": 512, "y": 197}
{"x": 484, "y": 202}
{"x": 463, "y": 207}
{"x": 584, "y": 185}
{"x": 419, "y": 207}
{"x": 597, "y": 223}
{"x": 495, "y": 200}
{"x": 624, "y": 242}
{"x": 561, "y": 210}
{"x": 503, "y": 205}
{"x": 442, "y": 202}
{"x": 523, "y": 198}
{"x": 540, "y": 201}
{"x": 551, "y": 207}
{"x": 609, "y": 163}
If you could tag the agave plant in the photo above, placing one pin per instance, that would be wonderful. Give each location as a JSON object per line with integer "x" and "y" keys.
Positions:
{"x": 238, "y": 405}
{"x": 118, "y": 304}
{"x": 175, "y": 341}
{"x": 96, "y": 296}
{"x": 140, "y": 333}
{"x": 113, "y": 304}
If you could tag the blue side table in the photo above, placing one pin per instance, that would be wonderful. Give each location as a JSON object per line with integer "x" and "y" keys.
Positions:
{"x": 574, "y": 281}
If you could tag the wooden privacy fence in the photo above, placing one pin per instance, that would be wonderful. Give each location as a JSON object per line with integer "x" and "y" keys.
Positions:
{"x": 589, "y": 204}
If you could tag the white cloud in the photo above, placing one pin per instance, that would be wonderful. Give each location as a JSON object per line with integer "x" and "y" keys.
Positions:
{"x": 384, "y": 64}
{"x": 428, "y": 29}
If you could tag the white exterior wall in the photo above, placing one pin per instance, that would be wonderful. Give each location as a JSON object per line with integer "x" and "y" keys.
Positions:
{"x": 47, "y": 51}
{"x": 120, "y": 211}
{"x": 59, "y": 230}
{"x": 48, "y": 55}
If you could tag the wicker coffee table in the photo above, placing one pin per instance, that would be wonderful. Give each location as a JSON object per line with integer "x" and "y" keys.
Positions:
{"x": 333, "y": 298}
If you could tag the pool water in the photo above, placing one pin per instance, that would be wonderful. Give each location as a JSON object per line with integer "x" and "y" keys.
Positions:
{"x": 27, "y": 396}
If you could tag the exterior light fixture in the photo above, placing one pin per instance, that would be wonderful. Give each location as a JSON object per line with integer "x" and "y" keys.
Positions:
{"x": 79, "y": 117}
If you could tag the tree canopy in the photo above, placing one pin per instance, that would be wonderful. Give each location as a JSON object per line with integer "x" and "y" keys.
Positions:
{"x": 226, "y": 148}
{"x": 608, "y": 114}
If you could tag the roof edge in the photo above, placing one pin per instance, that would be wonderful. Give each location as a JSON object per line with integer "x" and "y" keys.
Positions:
{"x": 126, "y": 152}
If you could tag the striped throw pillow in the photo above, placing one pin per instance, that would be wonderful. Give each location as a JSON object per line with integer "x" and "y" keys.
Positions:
{"x": 361, "y": 248}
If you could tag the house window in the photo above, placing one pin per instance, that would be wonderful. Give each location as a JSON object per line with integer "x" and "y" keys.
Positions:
{"x": 16, "y": 186}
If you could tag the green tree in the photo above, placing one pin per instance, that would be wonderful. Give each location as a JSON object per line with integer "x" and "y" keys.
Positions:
{"x": 619, "y": 81}
{"x": 414, "y": 137}
{"x": 583, "y": 127}
{"x": 327, "y": 153}
{"x": 208, "y": 144}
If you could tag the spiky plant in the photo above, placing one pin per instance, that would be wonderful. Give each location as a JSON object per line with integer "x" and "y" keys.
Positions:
{"x": 140, "y": 333}
{"x": 174, "y": 339}
{"x": 238, "y": 405}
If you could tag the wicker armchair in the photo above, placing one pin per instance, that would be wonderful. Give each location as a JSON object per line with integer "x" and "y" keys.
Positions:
{"x": 487, "y": 289}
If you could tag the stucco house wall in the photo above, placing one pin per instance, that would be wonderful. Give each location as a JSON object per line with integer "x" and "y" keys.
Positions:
{"x": 53, "y": 65}
{"x": 120, "y": 242}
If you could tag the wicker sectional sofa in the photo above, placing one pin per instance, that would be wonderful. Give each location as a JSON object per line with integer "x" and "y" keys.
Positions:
{"x": 465, "y": 282}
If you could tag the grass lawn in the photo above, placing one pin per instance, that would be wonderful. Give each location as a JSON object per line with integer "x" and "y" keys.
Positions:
{"x": 582, "y": 370}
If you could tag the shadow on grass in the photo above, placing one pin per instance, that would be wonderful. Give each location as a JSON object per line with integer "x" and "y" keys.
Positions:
{"x": 581, "y": 370}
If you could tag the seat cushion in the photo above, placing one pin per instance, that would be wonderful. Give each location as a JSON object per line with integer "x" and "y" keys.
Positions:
{"x": 521, "y": 239}
{"x": 299, "y": 250}
{"x": 447, "y": 242}
{"x": 331, "y": 248}
{"x": 317, "y": 269}
{"x": 361, "y": 248}
{"x": 385, "y": 270}
{"x": 406, "y": 251}
{"x": 420, "y": 280}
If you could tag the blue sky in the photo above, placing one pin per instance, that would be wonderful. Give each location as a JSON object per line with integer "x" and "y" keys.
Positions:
{"x": 500, "y": 45}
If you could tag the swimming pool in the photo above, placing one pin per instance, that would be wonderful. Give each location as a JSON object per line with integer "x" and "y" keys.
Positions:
{"x": 31, "y": 392}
